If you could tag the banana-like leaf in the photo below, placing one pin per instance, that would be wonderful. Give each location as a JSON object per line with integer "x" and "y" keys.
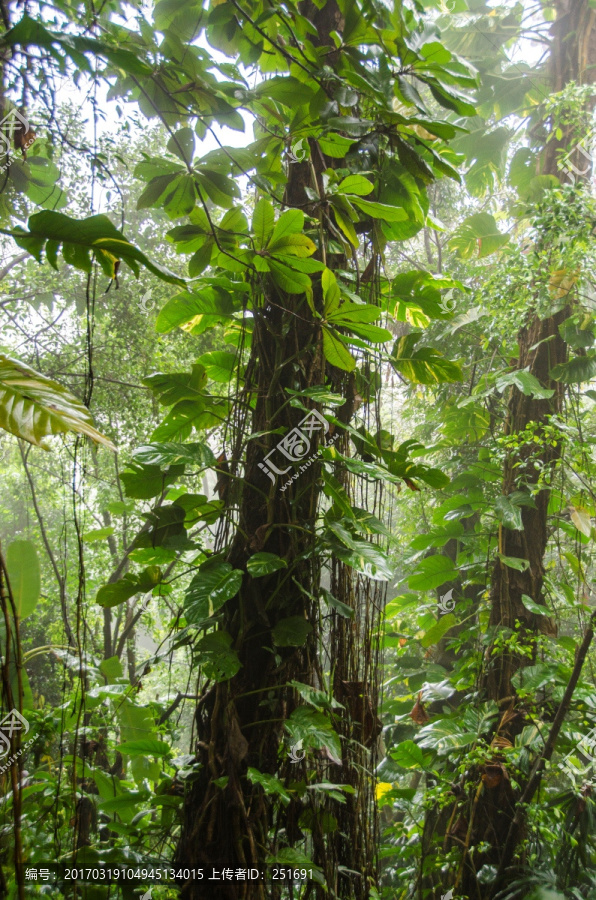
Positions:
{"x": 34, "y": 407}
{"x": 82, "y": 238}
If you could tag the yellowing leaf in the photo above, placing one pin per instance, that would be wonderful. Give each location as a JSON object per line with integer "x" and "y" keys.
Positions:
{"x": 34, "y": 407}
{"x": 581, "y": 519}
{"x": 382, "y": 788}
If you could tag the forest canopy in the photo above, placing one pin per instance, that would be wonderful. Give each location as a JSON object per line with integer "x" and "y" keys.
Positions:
{"x": 297, "y": 408}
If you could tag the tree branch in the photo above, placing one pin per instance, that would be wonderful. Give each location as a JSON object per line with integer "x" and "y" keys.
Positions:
{"x": 537, "y": 769}
{"x": 59, "y": 578}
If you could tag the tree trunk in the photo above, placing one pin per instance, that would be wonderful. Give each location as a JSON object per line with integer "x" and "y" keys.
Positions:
{"x": 228, "y": 821}
{"x": 541, "y": 347}
{"x": 492, "y": 803}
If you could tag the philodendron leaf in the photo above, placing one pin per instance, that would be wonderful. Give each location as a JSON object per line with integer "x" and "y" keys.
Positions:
{"x": 217, "y": 656}
{"x": 22, "y": 565}
{"x": 436, "y": 631}
{"x": 408, "y": 755}
{"x": 34, "y": 407}
{"x": 525, "y": 382}
{"x": 292, "y": 632}
{"x": 424, "y": 365}
{"x": 361, "y": 555}
{"x": 577, "y": 370}
{"x": 314, "y": 729}
{"x": 212, "y": 586}
{"x": 534, "y": 607}
{"x": 478, "y": 235}
{"x": 508, "y": 513}
{"x": 264, "y": 563}
{"x": 514, "y": 562}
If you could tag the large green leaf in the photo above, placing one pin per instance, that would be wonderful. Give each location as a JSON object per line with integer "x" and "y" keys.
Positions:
{"x": 34, "y": 407}
{"x": 143, "y": 481}
{"x": 292, "y": 632}
{"x": 286, "y": 90}
{"x": 175, "y": 194}
{"x": 290, "y": 222}
{"x": 166, "y": 529}
{"x": 171, "y": 453}
{"x": 264, "y": 564}
{"x": 432, "y": 572}
{"x": 314, "y": 729}
{"x": 478, "y": 235}
{"x": 525, "y": 382}
{"x": 336, "y": 351}
{"x": 356, "y": 184}
{"x": 79, "y": 239}
{"x": 577, "y": 370}
{"x": 424, "y": 365}
{"x": 446, "y": 734}
{"x": 117, "y": 592}
{"x": 262, "y": 222}
{"x": 219, "y": 364}
{"x": 22, "y": 565}
{"x": 269, "y": 783}
{"x": 408, "y": 755}
{"x": 438, "y": 630}
{"x": 136, "y": 722}
{"x": 359, "y": 554}
{"x": 211, "y": 587}
{"x": 195, "y": 312}
{"x": 217, "y": 657}
{"x": 577, "y": 331}
{"x": 380, "y": 210}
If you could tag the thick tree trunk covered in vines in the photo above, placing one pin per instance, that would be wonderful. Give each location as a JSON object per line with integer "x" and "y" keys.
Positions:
{"x": 240, "y": 722}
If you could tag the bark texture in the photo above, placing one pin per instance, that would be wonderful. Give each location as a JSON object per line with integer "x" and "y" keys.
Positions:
{"x": 240, "y": 722}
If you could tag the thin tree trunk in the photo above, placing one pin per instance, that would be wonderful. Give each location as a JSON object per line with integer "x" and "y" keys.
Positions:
{"x": 492, "y": 814}
{"x": 541, "y": 347}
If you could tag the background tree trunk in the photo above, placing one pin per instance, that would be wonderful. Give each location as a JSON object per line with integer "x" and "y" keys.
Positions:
{"x": 541, "y": 347}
